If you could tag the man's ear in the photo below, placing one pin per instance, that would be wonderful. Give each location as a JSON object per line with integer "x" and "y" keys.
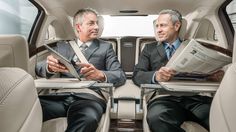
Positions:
{"x": 78, "y": 27}
{"x": 177, "y": 26}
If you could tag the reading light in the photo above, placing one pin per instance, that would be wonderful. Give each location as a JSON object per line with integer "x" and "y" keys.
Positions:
{"x": 128, "y": 11}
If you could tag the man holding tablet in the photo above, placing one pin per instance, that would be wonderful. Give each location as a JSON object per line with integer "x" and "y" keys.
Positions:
{"x": 84, "y": 109}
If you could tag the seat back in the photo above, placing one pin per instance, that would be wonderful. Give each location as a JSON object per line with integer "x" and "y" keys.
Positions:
{"x": 222, "y": 113}
{"x": 14, "y": 51}
{"x": 126, "y": 53}
{"x": 100, "y": 25}
{"x": 20, "y": 109}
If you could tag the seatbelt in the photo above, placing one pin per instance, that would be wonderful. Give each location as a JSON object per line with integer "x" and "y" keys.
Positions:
{"x": 78, "y": 52}
{"x": 82, "y": 59}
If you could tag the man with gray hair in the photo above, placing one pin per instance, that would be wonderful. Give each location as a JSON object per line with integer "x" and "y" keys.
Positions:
{"x": 167, "y": 113}
{"x": 82, "y": 107}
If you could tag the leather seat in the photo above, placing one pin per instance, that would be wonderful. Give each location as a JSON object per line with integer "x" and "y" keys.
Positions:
{"x": 20, "y": 109}
{"x": 222, "y": 113}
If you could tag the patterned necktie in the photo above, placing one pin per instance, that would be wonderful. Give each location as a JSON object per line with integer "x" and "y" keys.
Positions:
{"x": 83, "y": 47}
{"x": 170, "y": 51}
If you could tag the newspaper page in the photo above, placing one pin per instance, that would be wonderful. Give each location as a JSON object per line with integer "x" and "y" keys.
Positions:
{"x": 193, "y": 57}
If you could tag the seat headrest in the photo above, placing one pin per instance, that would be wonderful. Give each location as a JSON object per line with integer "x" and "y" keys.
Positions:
{"x": 100, "y": 25}
{"x": 182, "y": 30}
{"x": 14, "y": 51}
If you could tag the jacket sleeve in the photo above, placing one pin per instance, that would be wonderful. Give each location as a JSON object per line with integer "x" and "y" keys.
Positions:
{"x": 143, "y": 73}
{"x": 41, "y": 68}
{"x": 113, "y": 72}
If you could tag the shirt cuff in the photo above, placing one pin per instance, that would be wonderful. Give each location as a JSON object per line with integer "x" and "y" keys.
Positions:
{"x": 105, "y": 78}
{"x": 154, "y": 78}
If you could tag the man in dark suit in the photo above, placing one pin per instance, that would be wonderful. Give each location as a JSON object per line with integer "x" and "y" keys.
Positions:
{"x": 167, "y": 113}
{"x": 85, "y": 107}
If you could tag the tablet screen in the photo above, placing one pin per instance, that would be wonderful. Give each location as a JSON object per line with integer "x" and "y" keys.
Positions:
{"x": 64, "y": 61}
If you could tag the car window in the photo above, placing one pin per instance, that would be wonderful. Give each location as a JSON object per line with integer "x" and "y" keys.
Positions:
{"x": 128, "y": 25}
{"x": 17, "y": 17}
{"x": 231, "y": 11}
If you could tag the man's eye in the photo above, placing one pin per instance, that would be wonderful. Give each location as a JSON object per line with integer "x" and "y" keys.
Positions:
{"x": 91, "y": 23}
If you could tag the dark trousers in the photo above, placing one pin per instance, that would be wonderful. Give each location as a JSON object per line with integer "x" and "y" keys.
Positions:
{"x": 83, "y": 111}
{"x": 166, "y": 114}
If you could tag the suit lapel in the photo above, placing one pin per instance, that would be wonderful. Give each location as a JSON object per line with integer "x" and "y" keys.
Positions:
{"x": 91, "y": 49}
{"x": 66, "y": 50}
{"x": 161, "y": 50}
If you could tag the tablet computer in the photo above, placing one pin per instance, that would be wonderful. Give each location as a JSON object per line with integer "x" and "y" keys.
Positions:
{"x": 64, "y": 61}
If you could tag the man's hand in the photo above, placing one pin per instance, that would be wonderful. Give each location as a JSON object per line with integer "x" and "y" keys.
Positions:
{"x": 90, "y": 72}
{"x": 216, "y": 76}
{"x": 164, "y": 74}
{"x": 54, "y": 65}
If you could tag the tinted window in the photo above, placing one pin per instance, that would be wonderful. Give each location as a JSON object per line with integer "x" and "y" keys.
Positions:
{"x": 17, "y": 17}
{"x": 231, "y": 10}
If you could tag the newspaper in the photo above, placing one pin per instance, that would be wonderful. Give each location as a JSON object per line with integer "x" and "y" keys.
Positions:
{"x": 198, "y": 58}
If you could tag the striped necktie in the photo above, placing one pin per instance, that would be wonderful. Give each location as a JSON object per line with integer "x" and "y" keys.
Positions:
{"x": 83, "y": 47}
{"x": 170, "y": 51}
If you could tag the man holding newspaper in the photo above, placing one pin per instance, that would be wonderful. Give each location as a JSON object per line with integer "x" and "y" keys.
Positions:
{"x": 167, "y": 113}
{"x": 82, "y": 107}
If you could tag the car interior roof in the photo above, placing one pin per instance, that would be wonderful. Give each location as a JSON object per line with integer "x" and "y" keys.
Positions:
{"x": 136, "y": 7}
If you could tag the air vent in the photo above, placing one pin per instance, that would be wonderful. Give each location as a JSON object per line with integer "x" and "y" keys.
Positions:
{"x": 128, "y": 11}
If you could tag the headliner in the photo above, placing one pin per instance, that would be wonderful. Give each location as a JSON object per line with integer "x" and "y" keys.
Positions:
{"x": 113, "y": 7}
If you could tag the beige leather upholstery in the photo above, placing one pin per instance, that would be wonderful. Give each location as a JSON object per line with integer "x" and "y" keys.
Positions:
{"x": 126, "y": 109}
{"x": 223, "y": 109}
{"x": 14, "y": 51}
{"x": 183, "y": 29}
{"x": 20, "y": 110}
{"x": 100, "y": 25}
{"x": 222, "y": 113}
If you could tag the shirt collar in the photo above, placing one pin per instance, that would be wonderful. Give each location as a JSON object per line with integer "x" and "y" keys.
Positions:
{"x": 176, "y": 44}
{"x": 88, "y": 43}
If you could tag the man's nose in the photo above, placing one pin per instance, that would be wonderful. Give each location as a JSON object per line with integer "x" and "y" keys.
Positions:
{"x": 158, "y": 29}
{"x": 96, "y": 26}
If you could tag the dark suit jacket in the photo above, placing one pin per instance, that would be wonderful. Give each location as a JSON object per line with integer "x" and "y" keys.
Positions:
{"x": 152, "y": 58}
{"x": 99, "y": 53}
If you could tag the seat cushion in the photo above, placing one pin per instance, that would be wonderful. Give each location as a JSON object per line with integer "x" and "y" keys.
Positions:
{"x": 55, "y": 125}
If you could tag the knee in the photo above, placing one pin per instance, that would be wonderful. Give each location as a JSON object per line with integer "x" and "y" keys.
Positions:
{"x": 154, "y": 119}
{"x": 91, "y": 119}
{"x": 85, "y": 123}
